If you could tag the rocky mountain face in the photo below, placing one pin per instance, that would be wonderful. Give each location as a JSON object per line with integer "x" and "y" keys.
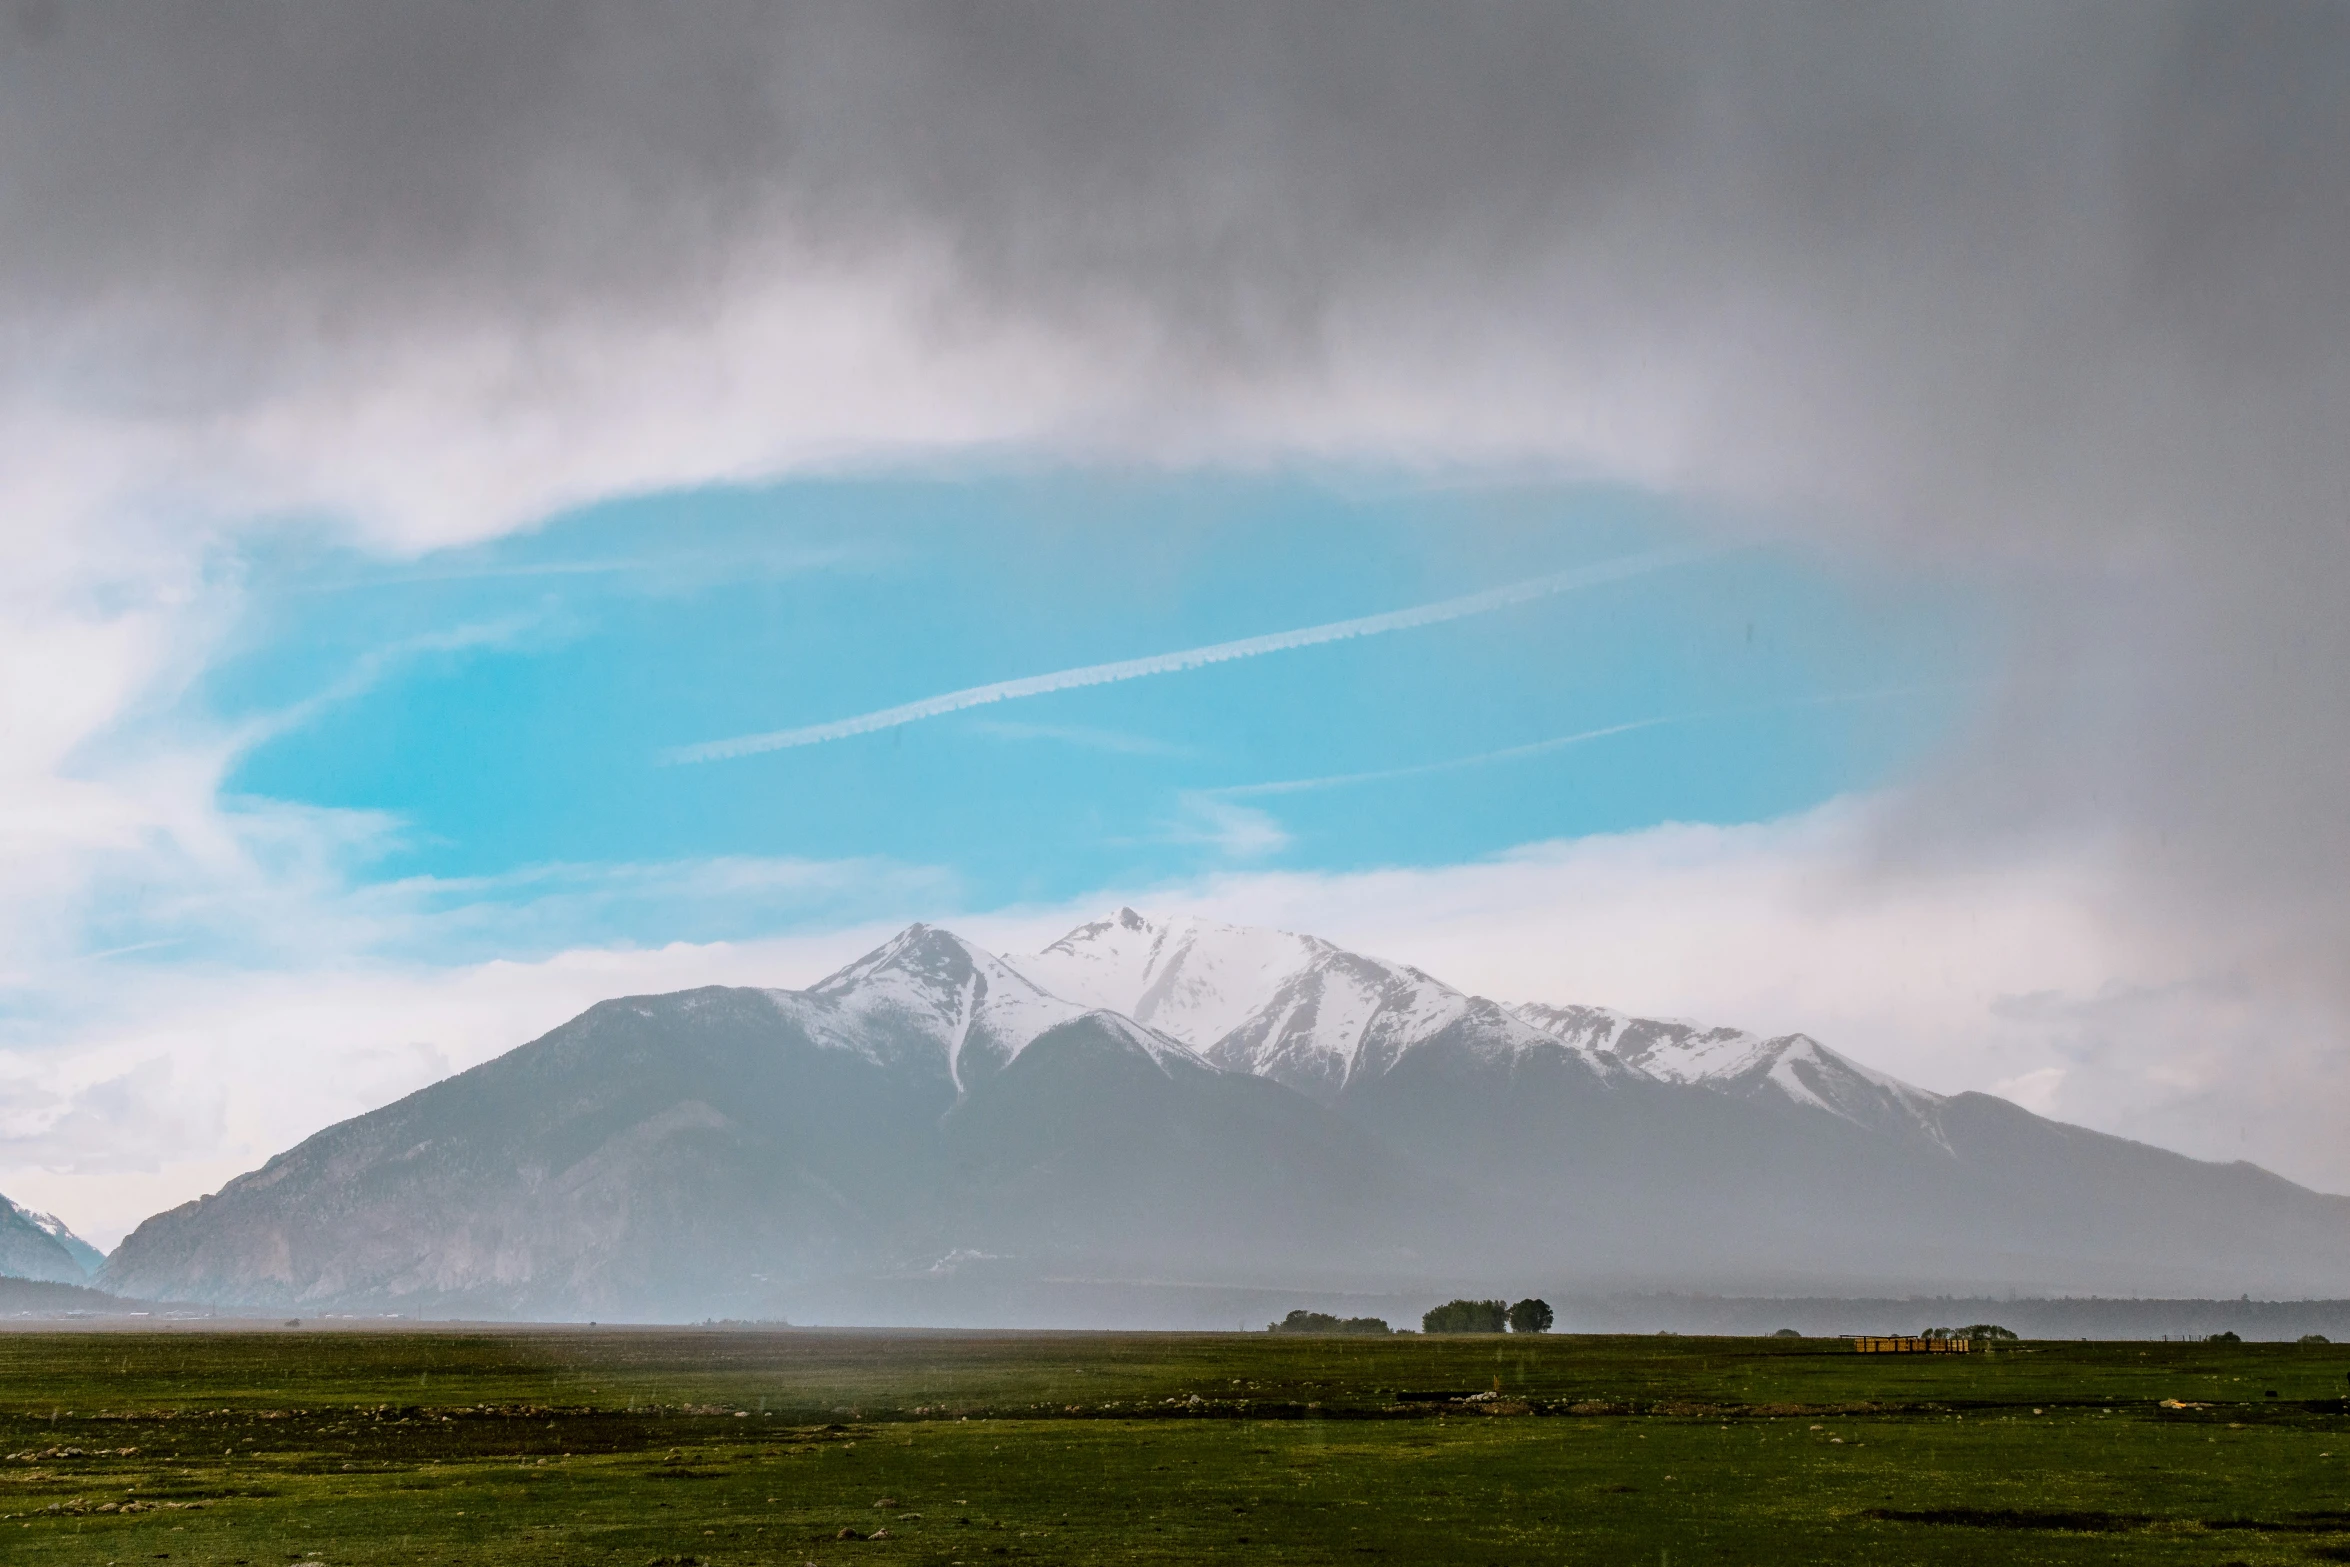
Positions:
{"x": 1149, "y": 1113}
{"x": 39, "y": 1246}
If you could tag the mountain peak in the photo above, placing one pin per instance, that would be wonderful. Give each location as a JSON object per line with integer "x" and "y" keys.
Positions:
{"x": 942, "y": 998}
{"x": 39, "y": 1246}
{"x": 89, "y": 1256}
{"x": 918, "y": 949}
{"x": 1273, "y": 1003}
{"x": 1188, "y": 977}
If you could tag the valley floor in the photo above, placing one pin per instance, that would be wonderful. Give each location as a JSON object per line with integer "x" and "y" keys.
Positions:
{"x": 754, "y": 1447}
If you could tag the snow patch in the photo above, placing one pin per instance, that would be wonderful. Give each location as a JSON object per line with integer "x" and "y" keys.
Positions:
{"x": 1272, "y": 1003}
{"x": 1192, "y": 978}
{"x": 928, "y": 993}
{"x": 1794, "y": 1067}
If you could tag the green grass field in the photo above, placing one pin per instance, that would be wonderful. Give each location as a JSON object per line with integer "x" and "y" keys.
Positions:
{"x": 634, "y": 1446}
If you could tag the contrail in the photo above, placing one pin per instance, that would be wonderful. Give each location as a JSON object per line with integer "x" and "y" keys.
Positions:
{"x": 1537, "y": 747}
{"x": 1336, "y": 780}
{"x": 1190, "y": 658}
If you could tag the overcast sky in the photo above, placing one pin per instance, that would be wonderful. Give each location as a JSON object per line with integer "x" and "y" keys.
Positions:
{"x": 1804, "y": 516}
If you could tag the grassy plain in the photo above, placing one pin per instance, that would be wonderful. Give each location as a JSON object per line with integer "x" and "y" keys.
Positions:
{"x": 629, "y": 1446}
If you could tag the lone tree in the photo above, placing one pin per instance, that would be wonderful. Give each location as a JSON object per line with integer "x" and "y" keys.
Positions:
{"x": 1466, "y": 1316}
{"x": 1531, "y": 1316}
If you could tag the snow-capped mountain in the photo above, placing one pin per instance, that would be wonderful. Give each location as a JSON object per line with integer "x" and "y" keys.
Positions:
{"x": 1190, "y": 978}
{"x": 1794, "y": 1067}
{"x": 716, "y": 1149}
{"x": 1296, "y": 1009}
{"x": 39, "y": 1246}
{"x": 1152, "y": 1109}
{"x": 1319, "y": 1018}
{"x": 928, "y": 996}
{"x": 81, "y": 1251}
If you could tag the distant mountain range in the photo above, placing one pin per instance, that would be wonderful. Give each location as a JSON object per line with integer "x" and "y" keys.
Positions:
{"x": 39, "y": 1246}
{"x": 1151, "y": 1112}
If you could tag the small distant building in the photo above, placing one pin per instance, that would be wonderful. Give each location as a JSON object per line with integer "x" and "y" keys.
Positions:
{"x": 1914, "y": 1346}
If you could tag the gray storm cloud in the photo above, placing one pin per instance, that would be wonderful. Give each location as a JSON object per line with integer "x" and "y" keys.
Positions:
{"x": 2057, "y": 295}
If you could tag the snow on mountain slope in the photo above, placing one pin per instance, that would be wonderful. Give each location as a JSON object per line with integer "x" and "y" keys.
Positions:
{"x": 1188, "y": 977}
{"x": 1316, "y": 1017}
{"x": 1292, "y": 1008}
{"x": 928, "y": 990}
{"x": 29, "y": 1249}
{"x": 1345, "y": 1018}
{"x": 81, "y": 1251}
{"x": 1795, "y": 1067}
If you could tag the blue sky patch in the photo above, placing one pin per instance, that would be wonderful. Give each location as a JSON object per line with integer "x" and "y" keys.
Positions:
{"x": 516, "y": 709}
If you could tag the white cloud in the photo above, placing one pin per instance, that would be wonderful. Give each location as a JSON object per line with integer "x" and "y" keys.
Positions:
{"x": 1237, "y": 832}
{"x": 2036, "y": 1090}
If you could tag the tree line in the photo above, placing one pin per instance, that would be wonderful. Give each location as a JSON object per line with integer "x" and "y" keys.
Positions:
{"x": 1454, "y": 1316}
{"x": 1488, "y": 1316}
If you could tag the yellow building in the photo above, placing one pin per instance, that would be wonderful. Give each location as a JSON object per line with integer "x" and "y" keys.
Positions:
{"x": 1914, "y": 1346}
